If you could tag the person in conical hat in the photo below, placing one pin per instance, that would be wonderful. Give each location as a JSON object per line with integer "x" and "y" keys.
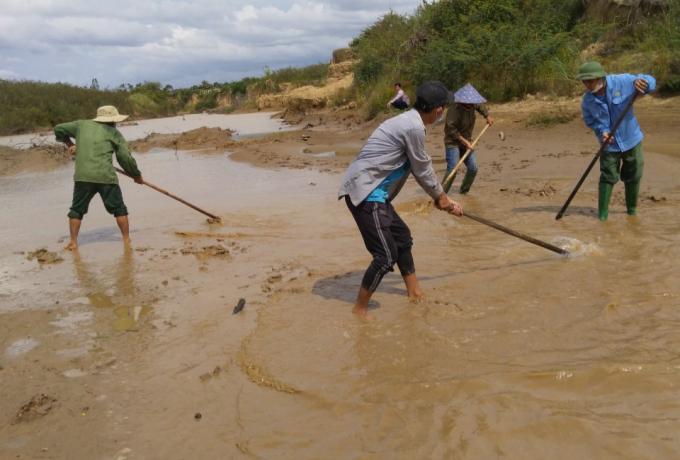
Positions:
{"x": 96, "y": 141}
{"x": 602, "y": 105}
{"x": 460, "y": 122}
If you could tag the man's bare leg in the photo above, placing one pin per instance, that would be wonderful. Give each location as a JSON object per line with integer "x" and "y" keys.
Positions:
{"x": 74, "y": 229}
{"x": 413, "y": 288}
{"x": 124, "y": 225}
{"x": 361, "y": 307}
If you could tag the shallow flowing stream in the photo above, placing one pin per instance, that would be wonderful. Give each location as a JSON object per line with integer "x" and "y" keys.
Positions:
{"x": 517, "y": 353}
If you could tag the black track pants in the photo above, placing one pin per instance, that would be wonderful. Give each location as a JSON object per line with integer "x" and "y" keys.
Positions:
{"x": 386, "y": 237}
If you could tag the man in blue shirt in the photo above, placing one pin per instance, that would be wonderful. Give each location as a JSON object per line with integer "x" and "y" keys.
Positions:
{"x": 393, "y": 152}
{"x": 603, "y": 104}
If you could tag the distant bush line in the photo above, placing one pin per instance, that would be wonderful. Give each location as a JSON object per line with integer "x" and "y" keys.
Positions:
{"x": 29, "y": 106}
{"x": 505, "y": 48}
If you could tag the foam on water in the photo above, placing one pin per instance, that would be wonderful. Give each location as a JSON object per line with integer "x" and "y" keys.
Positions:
{"x": 576, "y": 247}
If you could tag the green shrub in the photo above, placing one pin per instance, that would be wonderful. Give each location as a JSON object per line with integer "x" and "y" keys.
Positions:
{"x": 670, "y": 86}
{"x": 142, "y": 105}
{"x": 207, "y": 101}
{"x": 30, "y": 105}
{"x": 342, "y": 97}
{"x": 299, "y": 76}
{"x": 546, "y": 119}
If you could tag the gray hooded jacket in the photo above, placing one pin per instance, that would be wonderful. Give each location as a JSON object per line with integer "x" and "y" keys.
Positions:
{"x": 395, "y": 141}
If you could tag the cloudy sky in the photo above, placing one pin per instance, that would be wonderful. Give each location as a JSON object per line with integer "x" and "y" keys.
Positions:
{"x": 176, "y": 42}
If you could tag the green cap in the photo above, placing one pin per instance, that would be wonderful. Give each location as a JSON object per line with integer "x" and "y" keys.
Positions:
{"x": 590, "y": 71}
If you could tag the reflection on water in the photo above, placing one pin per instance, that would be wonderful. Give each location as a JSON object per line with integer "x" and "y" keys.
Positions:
{"x": 321, "y": 154}
{"x": 127, "y": 317}
{"x": 117, "y": 279}
{"x": 120, "y": 275}
{"x": 331, "y": 151}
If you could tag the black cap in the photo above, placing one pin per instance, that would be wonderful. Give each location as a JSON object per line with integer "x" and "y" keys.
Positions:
{"x": 434, "y": 94}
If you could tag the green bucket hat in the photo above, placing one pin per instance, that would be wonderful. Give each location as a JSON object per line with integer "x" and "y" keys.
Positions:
{"x": 590, "y": 71}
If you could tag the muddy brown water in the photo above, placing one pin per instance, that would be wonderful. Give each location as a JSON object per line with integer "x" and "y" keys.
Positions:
{"x": 517, "y": 353}
{"x": 244, "y": 126}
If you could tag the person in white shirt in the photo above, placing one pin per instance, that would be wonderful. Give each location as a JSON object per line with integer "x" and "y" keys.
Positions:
{"x": 400, "y": 101}
{"x": 390, "y": 155}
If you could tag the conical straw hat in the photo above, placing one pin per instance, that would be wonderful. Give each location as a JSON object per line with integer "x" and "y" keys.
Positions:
{"x": 469, "y": 95}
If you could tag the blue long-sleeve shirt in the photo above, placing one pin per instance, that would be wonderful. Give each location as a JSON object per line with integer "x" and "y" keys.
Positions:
{"x": 600, "y": 113}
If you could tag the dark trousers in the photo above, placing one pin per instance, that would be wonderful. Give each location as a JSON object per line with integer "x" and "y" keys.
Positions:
{"x": 399, "y": 104}
{"x": 627, "y": 166}
{"x": 386, "y": 237}
{"x": 83, "y": 192}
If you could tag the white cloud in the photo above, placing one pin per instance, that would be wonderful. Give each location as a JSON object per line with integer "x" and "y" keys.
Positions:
{"x": 177, "y": 42}
{"x": 7, "y": 75}
{"x": 246, "y": 13}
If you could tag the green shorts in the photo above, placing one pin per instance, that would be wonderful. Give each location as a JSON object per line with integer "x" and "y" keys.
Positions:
{"x": 83, "y": 192}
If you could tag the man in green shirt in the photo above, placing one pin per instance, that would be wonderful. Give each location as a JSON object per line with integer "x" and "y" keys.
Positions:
{"x": 96, "y": 141}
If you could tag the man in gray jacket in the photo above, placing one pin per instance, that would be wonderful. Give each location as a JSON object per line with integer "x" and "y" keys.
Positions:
{"x": 395, "y": 150}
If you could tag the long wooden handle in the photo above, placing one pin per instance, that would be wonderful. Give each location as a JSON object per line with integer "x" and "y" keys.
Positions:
{"x": 597, "y": 155}
{"x": 529, "y": 239}
{"x": 465, "y": 156}
{"x": 172, "y": 196}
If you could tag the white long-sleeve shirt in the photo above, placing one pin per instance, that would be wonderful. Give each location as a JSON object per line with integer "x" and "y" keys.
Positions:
{"x": 401, "y": 95}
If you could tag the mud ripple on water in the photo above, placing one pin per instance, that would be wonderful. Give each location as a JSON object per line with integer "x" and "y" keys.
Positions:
{"x": 44, "y": 256}
{"x": 258, "y": 375}
{"x": 224, "y": 250}
{"x": 39, "y": 406}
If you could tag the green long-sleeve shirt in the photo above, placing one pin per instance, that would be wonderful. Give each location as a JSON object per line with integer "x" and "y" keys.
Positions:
{"x": 95, "y": 144}
{"x": 460, "y": 121}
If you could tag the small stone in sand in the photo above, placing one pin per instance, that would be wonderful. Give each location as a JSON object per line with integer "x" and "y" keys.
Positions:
{"x": 239, "y": 306}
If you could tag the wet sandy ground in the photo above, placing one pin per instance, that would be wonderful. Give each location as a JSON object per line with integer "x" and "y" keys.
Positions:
{"x": 517, "y": 353}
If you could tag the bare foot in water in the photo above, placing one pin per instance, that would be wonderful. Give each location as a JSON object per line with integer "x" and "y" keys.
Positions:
{"x": 127, "y": 241}
{"x": 360, "y": 312}
{"x": 417, "y": 298}
{"x": 71, "y": 246}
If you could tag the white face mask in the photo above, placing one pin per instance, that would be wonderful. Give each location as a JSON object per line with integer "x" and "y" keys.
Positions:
{"x": 438, "y": 120}
{"x": 598, "y": 87}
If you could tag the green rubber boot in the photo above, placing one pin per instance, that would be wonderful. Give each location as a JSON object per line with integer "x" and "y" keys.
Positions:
{"x": 604, "y": 196}
{"x": 447, "y": 187}
{"x": 632, "y": 189}
{"x": 467, "y": 182}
